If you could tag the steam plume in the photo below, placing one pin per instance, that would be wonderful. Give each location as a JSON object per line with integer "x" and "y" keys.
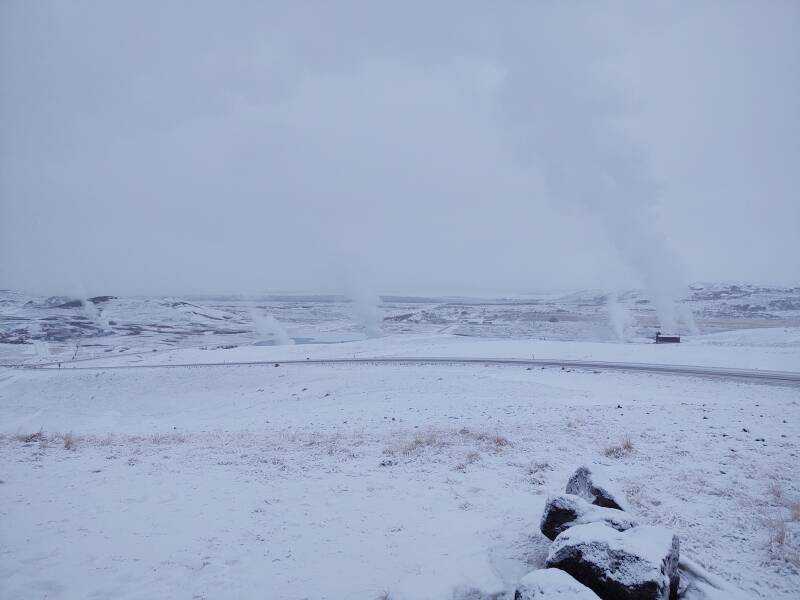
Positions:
{"x": 367, "y": 312}
{"x": 580, "y": 132}
{"x": 621, "y": 320}
{"x": 270, "y": 328}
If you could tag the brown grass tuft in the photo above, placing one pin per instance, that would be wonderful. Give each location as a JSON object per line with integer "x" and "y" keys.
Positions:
{"x": 794, "y": 510}
{"x": 431, "y": 439}
{"x": 784, "y": 535}
{"x": 167, "y": 438}
{"x": 500, "y": 441}
{"x": 494, "y": 439}
{"x": 624, "y": 448}
{"x": 70, "y": 441}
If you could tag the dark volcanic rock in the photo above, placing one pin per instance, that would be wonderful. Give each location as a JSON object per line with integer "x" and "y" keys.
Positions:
{"x": 551, "y": 584}
{"x": 586, "y": 484}
{"x": 638, "y": 564}
{"x": 54, "y": 301}
{"x": 568, "y": 510}
{"x": 70, "y": 304}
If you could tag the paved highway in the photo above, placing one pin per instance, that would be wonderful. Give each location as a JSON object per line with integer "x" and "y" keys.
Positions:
{"x": 778, "y": 377}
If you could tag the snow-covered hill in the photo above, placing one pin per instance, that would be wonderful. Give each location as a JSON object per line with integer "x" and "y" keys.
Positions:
{"x": 59, "y": 328}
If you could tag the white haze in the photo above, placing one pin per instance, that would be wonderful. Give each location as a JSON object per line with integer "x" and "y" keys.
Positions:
{"x": 367, "y": 313}
{"x": 95, "y": 314}
{"x": 174, "y": 147}
{"x": 621, "y": 320}
{"x": 269, "y": 328}
{"x": 578, "y": 134}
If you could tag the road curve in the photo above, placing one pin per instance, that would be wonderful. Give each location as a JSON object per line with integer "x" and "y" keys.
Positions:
{"x": 776, "y": 377}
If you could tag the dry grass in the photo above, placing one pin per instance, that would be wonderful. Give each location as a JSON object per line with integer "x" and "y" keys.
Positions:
{"x": 776, "y": 489}
{"x": 70, "y": 441}
{"x": 470, "y": 459}
{"x": 782, "y": 527}
{"x": 494, "y": 440}
{"x": 343, "y": 446}
{"x": 535, "y": 472}
{"x": 167, "y": 438}
{"x": 422, "y": 441}
{"x": 624, "y": 448}
{"x": 438, "y": 439}
{"x": 29, "y": 438}
{"x": 777, "y": 533}
{"x": 783, "y": 545}
{"x": 291, "y": 436}
{"x": 106, "y": 441}
{"x": 794, "y": 510}
{"x": 500, "y": 441}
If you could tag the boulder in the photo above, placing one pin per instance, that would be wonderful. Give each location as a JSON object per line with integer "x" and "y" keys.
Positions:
{"x": 101, "y": 299}
{"x": 547, "y": 584}
{"x": 638, "y": 564}
{"x": 588, "y": 483}
{"x": 567, "y": 510}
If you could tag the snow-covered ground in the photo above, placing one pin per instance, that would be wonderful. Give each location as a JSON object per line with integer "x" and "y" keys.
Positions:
{"x": 367, "y": 480}
{"x": 354, "y": 481}
{"x": 776, "y": 349}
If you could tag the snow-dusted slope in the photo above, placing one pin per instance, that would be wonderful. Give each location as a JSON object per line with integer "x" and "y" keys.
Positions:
{"x": 775, "y": 349}
{"x": 348, "y": 482}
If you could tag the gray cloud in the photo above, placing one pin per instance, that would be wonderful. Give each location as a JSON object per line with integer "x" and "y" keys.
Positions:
{"x": 169, "y": 147}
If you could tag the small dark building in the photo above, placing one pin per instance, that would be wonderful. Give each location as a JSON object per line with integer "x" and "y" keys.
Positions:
{"x": 667, "y": 339}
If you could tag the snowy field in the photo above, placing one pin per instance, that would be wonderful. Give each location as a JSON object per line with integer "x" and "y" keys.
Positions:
{"x": 373, "y": 481}
{"x": 38, "y": 329}
{"x": 126, "y": 474}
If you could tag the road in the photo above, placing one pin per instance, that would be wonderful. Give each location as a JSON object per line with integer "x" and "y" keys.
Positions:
{"x": 775, "y": 377}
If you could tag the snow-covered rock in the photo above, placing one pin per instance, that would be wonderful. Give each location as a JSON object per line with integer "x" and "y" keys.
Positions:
{"x": 567, "y": 510}
{"x": 547, "y": 584}
{"x": 637, "y": 564}
{"x": 588, "y": 483}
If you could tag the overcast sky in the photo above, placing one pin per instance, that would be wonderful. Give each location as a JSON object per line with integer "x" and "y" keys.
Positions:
{"x": 168, "y": 147}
